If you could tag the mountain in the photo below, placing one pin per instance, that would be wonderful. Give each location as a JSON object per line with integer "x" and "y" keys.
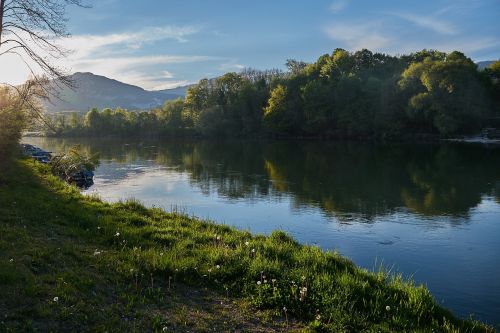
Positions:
{"x": 92, "y": 90}
{"x": 483, "y": 64}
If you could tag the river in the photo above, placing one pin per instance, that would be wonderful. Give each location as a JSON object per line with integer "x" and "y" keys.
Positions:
{"x": 430, "y": 212}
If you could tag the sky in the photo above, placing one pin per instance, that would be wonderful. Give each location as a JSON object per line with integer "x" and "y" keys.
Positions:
{"x": 161, "y": 44}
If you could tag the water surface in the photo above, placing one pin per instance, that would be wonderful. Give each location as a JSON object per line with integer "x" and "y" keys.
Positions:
{"x": 428, "y": 211}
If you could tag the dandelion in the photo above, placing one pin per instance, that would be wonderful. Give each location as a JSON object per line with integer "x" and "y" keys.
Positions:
{"x": 259, "y": 283}
{"x": 218, "y": 266}
{"x": 388, "y": 308}
{"x": 56, "y": 299}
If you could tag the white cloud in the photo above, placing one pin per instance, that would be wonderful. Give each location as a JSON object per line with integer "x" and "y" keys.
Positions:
{"x": 357, "y": 36}
{"x": 338, "y": 5}
{"x": 432, "y": 23}
{"x": 113, "y": 55}
{"x": 230, "y": 66}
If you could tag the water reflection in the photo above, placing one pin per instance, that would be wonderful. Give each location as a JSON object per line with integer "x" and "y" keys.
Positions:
{"x": 339, "y": 178}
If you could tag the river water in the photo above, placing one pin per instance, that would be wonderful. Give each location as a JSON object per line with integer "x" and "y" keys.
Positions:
{"x": 430, "y": 212}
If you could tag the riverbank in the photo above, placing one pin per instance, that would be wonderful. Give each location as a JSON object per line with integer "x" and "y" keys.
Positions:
{"x": 70, "y": 262}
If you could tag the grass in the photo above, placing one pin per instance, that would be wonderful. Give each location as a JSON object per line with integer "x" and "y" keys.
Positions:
{"x": 74, "y": 263}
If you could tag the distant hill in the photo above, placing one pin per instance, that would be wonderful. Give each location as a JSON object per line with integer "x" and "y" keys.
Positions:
{"x": 99, "y": 91}
{"x": 483, "y": 64}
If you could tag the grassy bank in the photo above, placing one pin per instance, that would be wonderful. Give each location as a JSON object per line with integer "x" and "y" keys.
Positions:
{"x": 74, "y": 263}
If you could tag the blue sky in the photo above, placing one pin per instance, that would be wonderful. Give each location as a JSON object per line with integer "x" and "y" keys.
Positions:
{"x": 160, "y": 44}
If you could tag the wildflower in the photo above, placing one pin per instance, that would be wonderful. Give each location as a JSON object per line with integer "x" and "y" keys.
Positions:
{"x": 258, "y": 283}
{"x": 164, "y": 329}
{"x": 11, "y": 260}
{"x": 318, "y": 317}
{"x": 218, "y": 266}
{"x": 131, "y": 270}
{"x": 117, "y": 234}
{"x": 96, "y": 253}
{"x": 265, "y": 281}
{"x": 98, "y": 228}
{"x": 56, "y": 299}
{"x": 284, "y": 308}
{"x": 304, "y": 290}
{"x": 218, "y": 237}
{"x": 176, "y": 270}
{"x": 273, "y": 280}
{"x": 161, "y": 254}
{"x": 303, "y": 277}
{"x": 388, "y": 308}
{"x": 247, "y": 243}
{"x": 209, "y": 270}
{"x": 253, "y": 250}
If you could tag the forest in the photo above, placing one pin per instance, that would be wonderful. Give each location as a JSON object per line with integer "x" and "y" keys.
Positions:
{"x": 343, "y": 95}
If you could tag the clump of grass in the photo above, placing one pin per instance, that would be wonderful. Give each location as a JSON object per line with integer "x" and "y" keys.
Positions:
{"x": 140, "y": 256}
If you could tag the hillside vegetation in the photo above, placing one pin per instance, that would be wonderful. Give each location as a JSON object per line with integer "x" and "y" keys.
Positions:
{"x": 360, "y": 95}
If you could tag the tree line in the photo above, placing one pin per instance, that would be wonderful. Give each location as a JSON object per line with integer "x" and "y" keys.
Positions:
{"x": 361, "y": 95}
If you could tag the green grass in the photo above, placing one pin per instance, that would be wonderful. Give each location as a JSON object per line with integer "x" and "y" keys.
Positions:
{"x": 122, "y": 267}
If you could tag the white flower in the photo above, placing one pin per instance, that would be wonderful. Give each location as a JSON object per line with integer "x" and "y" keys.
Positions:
{"x": 388, "y": 308}
{"x": 164, "y": 329}
{"x": 265, "y": 281}
{"x": 247, "y": 243}
{"x": 218, "y": 237}
{"x": 258, "y": 283}
{"x": 11, "y": 260}
{"x": 161, "y": 254}
{"x": 56, "y": 299}
{"x": 98, "y": 228}
{"x": 303, "y": 277}
{"x": 253, "y": 250}
{"x": 209, "y": 270}
{"x": 117, "y": 234}
{"x": 273, "y": 280}
{"x": 96, "y": 253}
{"x": 218, "y": 266}
{"x": 284, "y": 308}
{"x": 318, "y": 317}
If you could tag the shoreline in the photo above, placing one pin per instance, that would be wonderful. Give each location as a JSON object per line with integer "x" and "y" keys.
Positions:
{"x": 204, "y": 254}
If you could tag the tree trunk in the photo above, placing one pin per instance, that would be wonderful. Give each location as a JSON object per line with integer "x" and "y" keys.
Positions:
{"x": 2, "y": 3}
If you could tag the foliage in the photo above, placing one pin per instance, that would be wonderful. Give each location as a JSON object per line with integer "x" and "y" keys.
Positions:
{"x": 18, "y": 106}
{"x": 343, "y": 95}
{"x": 66, "y": 165}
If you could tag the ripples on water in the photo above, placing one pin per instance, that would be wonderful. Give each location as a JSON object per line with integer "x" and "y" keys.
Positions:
{"x": 431, "y": 212}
